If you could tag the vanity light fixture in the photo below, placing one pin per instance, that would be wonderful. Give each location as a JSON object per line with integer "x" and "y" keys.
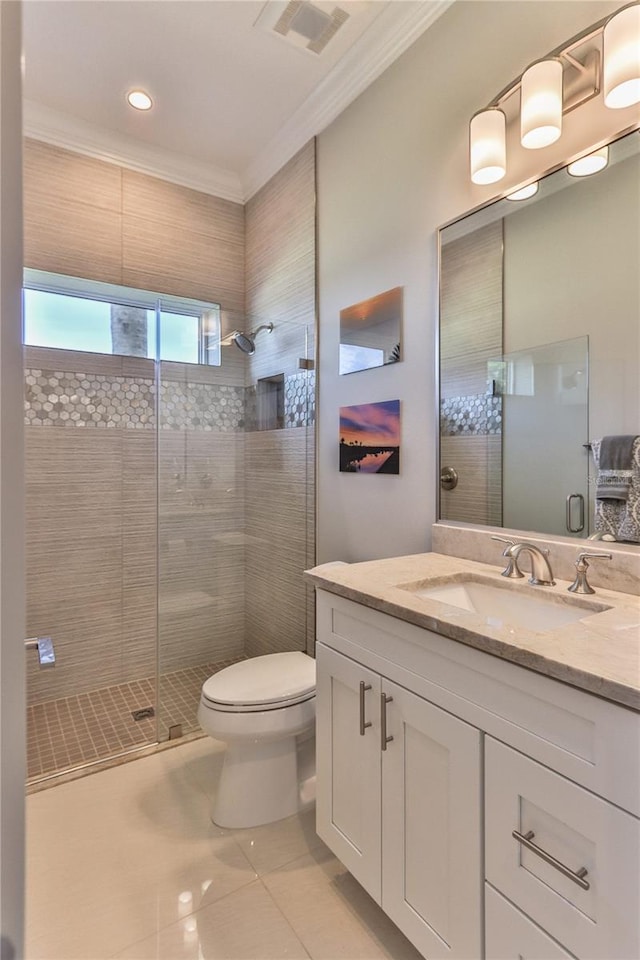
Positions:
{"x": 592, "y": 163}
{"x": 606, "y": 56}
{"x": 621, "y": 67}
{"x": 541, "y": 104}
{"x": 139, "y": 100}
{"x": 525, "y": 193}
{"x": 488, "y": 146}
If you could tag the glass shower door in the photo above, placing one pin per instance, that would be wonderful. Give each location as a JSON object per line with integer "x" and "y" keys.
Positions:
{"x": 545, "y": 470}
{"x": 235, "y": 475}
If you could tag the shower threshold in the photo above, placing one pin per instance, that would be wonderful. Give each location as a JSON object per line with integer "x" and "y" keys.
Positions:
{"x": 83, "y": 732}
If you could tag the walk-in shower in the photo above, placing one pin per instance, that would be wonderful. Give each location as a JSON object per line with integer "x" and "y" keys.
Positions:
{"x": 151, "y": 562}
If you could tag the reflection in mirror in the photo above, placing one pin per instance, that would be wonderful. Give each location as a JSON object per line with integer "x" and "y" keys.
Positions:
{"x": 540, "y": 353}
{"x": 371, "y": 332}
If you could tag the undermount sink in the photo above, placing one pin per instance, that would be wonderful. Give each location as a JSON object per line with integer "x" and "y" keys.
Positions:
{"x": 504, "y": 606}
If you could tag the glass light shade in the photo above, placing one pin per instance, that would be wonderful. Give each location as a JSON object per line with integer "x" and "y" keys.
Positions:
{"x": 541, "y": 104}
{"x": 525, "y": 192}
{"x": 621, "y": 59}
{"x": 592, "y": 163}
{"x": 139, "y": 100}
{"x": 488, "y": 146}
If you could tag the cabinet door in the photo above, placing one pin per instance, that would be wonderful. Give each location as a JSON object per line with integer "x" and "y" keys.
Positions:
{"x": 509, "y": 935}
{"x": 573, "y": 865}
{"x": 348, "y": 764}
{"x": 431, "y": 827}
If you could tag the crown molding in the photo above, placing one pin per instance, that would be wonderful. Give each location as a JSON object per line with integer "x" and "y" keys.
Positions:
{"x": 71, "y": 133}
{"x": 390, "y": 34}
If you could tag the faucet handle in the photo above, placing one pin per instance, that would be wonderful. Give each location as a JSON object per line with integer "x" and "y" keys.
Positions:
{"x": 512, "y": 570}
{"x": 580, "y": 584}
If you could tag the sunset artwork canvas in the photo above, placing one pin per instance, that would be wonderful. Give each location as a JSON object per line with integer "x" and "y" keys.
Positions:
{"x": 370, "y": 438}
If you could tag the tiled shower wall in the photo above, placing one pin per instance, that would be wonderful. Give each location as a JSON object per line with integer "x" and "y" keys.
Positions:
{"x": 280, "y": 464}
{"x": 90, "y": 508}
{"x": 95, "y": 514}
{"x": 232, "y": 508}
{"x": 470, "y": 336}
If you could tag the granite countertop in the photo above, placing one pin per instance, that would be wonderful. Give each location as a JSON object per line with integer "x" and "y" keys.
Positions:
{"x": 600, "y": 653}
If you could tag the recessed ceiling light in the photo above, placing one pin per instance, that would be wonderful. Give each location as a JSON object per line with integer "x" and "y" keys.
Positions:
{"x": 592, "y": 163}
{"x": 525, "y": 192}
{"x": 139, "y": 100}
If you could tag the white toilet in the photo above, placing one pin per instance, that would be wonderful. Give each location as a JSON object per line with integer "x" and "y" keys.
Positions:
{"x": 264, "y": 710}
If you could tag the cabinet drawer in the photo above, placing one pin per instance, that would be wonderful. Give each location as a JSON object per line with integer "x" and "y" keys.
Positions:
{"x": 578, "y": 830}
{"x": 509, "y": 935}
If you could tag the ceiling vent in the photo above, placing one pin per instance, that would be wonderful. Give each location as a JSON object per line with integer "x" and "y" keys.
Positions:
{"x": 308, "y": 26}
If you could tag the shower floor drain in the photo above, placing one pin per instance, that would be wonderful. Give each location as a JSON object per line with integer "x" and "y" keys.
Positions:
{"x": 143, "y": 714}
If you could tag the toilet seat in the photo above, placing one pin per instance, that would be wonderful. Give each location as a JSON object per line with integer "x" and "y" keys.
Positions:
{"x": 270, "y": 682}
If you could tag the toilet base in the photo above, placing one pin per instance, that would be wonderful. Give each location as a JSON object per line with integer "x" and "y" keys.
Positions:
{"x": 260, "y": 783}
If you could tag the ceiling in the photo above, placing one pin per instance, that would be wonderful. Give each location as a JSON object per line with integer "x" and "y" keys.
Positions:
{"x": 233, "y": 100}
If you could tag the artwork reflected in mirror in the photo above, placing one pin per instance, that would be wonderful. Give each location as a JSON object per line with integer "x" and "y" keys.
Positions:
{"x": 371, "y": 332}
{"x": 370, "y": 438}
{"x": 540, "y": 353}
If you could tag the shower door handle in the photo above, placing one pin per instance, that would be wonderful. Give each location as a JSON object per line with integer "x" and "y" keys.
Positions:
{"x": 580, "y": 499}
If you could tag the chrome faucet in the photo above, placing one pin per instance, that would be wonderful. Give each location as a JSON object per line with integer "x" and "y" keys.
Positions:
{"x": 541, "y": 572}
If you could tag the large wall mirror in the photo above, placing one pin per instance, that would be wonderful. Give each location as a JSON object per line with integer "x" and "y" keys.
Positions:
{"x": 540, "y": 352}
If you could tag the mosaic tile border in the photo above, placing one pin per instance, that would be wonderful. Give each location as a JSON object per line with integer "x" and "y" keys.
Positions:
{"x": 202, "y": 406}
{"x": 478, "y": 415}
{"x": 60, "y": 398}
{"x": 55, "y": 398}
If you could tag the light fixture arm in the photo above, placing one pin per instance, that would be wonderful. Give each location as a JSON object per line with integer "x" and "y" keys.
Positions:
{"x": 605, "y": 57}
{"x": 591, "y": 67}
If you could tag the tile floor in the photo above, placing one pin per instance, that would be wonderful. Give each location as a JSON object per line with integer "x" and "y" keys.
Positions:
{"x": 71, "y": 731}
{"x": 126, "y": 863}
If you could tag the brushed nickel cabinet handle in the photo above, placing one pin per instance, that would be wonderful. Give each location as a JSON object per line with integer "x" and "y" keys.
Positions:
{"x": 363, "y": 689}
{"x": 576, "y": 875}
{"x": 384, "y": 739}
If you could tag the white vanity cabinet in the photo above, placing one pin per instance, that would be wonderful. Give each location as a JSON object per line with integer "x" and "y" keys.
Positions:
{"x": 430, "y": 755}
{"x": 399, "y": 800}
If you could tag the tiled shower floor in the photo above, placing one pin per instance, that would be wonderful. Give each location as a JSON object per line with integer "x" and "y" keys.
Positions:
{"x": 72, "y": 731}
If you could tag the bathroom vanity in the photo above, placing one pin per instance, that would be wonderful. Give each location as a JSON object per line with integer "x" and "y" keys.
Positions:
{"x": 480, "y": 779}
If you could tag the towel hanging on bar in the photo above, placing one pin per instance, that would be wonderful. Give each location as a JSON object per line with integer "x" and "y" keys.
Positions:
{"x": 615, "y": 467}
{"x": 619, "y": 517}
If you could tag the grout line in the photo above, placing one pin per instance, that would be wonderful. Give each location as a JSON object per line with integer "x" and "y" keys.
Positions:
{"x": 97, "y": 726}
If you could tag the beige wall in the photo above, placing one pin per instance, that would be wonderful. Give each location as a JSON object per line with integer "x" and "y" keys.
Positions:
{"x": 87, "y": 218}
{"x": 470, "y": 336}
{"x": 279, "y": 474}
{"x": 391, "y": 169}
{"x": 226, "y": 509}
{"x": 99, "y": 504}
{"x": 93, "y": 527}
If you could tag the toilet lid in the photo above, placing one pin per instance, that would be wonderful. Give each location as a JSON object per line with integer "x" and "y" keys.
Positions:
{"x": 271, "y": 679}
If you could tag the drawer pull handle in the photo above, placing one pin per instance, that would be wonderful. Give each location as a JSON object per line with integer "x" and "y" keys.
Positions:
{"x": 363, "y": 689}
{"x": 384, "y": 739}
{"x": 576, "y": 875}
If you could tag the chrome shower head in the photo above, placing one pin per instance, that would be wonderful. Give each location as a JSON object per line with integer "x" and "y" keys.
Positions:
{"x": 246, "y": 341}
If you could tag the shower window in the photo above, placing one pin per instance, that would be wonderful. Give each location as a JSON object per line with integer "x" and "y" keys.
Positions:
{"x": 70, "y": 314}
